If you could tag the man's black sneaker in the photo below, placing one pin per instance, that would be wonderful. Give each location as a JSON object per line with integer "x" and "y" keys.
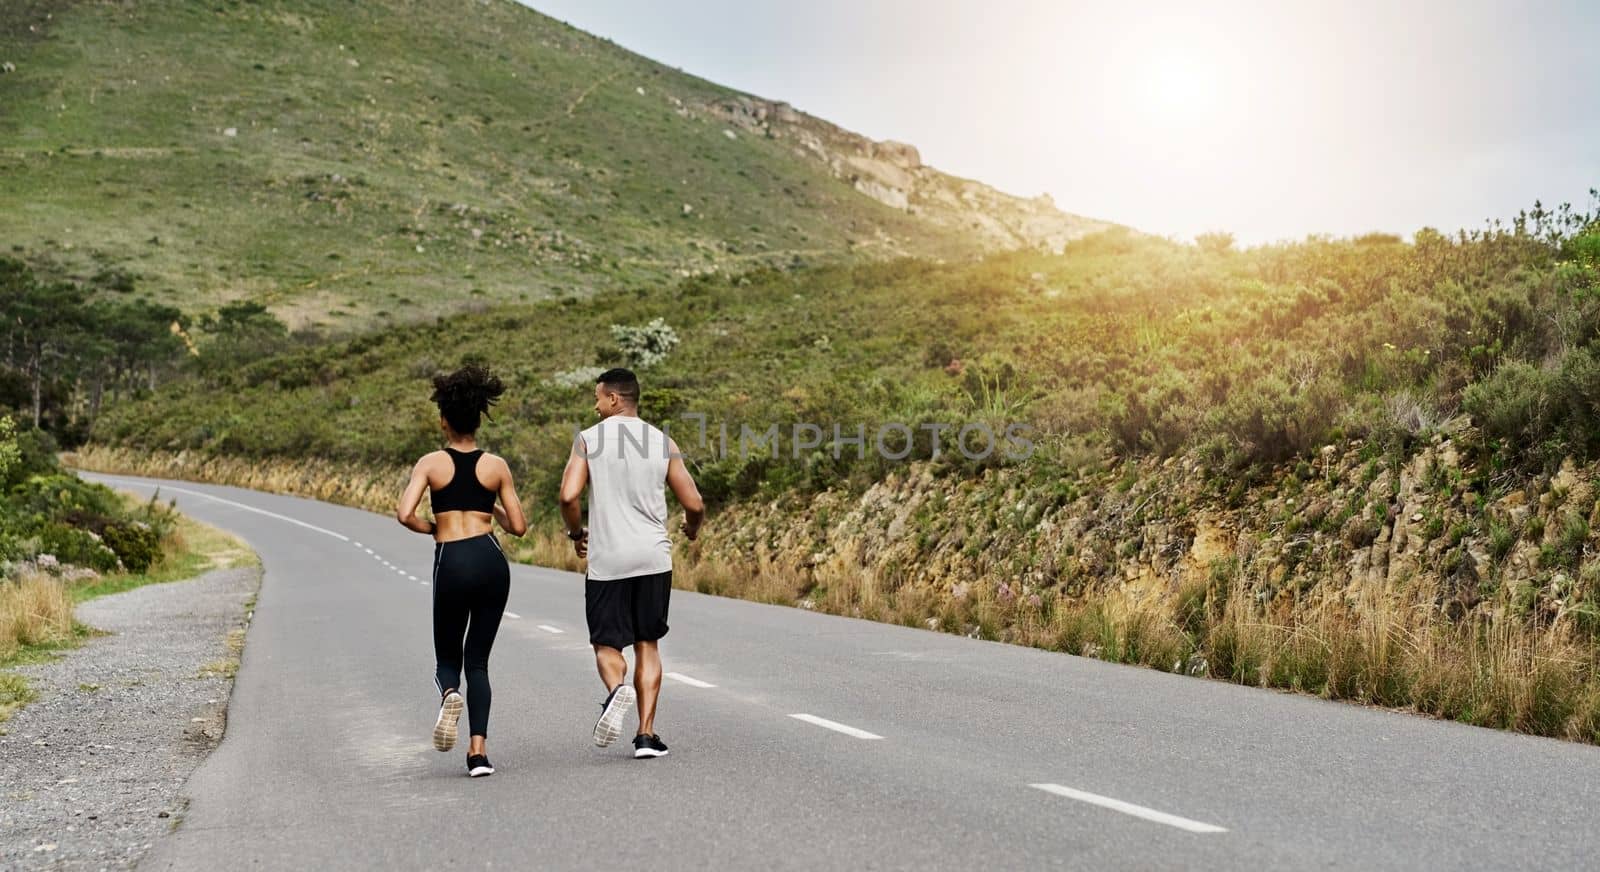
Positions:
{"x": 648, "y": 745}
{"x": 612, "y": 711}
{"x": 478, "y": 765}
{"x": 444, "y": 729}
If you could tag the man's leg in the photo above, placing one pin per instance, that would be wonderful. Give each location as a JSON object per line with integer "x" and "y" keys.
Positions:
{"x": 612, "y": 665}
{"x": 647, "y": 682}
{"x": 606, "y": 610}
{"x": 651, "y": 596}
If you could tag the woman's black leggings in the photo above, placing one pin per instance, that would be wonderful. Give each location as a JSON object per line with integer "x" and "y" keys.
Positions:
{"x": 470, "y": 584}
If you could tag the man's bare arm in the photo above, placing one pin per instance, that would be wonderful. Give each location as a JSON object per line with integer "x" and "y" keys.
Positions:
{"x": 573, "y": 480}
{"x": 683, "y": 487}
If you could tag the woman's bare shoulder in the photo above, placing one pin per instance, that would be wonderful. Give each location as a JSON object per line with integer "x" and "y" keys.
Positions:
{"x": 431, "y": 460}
{"x": 496, "y": 462}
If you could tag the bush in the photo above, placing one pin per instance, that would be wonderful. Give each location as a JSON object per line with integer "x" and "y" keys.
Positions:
{"x": 1215, "y": 242}
{"x": 1511, "y": 403}
{"x": 77, "y": 547}
{"x": 137, "y": 545}
{"x": 646, "y": 345}
{"x": 35, "y": 454}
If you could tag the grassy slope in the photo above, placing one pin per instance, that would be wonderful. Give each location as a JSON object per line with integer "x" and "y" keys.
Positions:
{"x": 366, "y": 131}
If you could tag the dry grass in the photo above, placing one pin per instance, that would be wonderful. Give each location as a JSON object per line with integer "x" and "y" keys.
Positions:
{"x": 544, "y": 546}
{"x": 34, "y": 610}
{"x": 762, "y": 579}
{"x": 375, "y": 489}
{"x": 1387, "y": 648}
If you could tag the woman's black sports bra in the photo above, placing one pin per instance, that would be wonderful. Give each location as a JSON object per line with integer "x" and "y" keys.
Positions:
{"x": 464, "y": 493}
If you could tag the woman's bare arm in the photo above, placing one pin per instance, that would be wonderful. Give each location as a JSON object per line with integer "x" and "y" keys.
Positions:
{"x": 509, "y": 510}
{"x": 406, "y": 514}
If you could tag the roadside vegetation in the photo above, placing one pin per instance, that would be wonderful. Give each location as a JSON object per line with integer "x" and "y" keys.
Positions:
{"x": 63, "y": 541}
{"x": 1361, "y": 468}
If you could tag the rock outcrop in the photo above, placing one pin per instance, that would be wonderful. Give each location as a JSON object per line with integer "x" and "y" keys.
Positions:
{"x": 893, "y": 174}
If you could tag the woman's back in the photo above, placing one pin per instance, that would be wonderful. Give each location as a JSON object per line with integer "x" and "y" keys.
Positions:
{"x": 462, "y": 486}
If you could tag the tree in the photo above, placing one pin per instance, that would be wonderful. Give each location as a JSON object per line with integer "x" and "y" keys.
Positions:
{"x": 133, "y": 341}
{"x": 240, "y": 332}
{"x": 44, "y": 325}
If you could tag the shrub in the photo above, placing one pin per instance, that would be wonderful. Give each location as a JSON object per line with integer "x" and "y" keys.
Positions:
{"x": 645, "y": 345}
{"x": 1215, "y": 242}
{"x": 10, "y": 451}
{"x": 137, "y": 545}
{"x": 1511, "y": 403}
{"x": 579, "y": 377}
{"x": 77, "y": 547}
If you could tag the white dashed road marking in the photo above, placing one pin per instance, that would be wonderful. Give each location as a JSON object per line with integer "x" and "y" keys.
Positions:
{"x": 1137, "y": 811}
{"x": 836, "y": 726}
{"x": 549, "y": 629}
{"x": 513, "y": 615}
{"x": 692, "y": 682}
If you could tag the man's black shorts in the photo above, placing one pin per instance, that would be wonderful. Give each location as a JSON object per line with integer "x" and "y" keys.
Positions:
{"x": 623, "y": 611}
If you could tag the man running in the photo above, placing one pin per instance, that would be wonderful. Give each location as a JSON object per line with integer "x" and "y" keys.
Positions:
{"x": 630, "y": 555}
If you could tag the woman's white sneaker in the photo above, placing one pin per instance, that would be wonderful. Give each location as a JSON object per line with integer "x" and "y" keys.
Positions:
{"x": 444, "y": 729}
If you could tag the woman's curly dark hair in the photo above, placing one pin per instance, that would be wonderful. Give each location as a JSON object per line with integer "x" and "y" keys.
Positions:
{"x": 464, "y": 396}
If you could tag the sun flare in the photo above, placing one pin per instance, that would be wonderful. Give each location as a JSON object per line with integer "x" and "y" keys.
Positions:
{"x": 1177, "y": 91}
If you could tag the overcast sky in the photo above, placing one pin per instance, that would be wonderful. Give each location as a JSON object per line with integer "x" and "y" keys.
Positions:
{"x": 1271, "y": 120}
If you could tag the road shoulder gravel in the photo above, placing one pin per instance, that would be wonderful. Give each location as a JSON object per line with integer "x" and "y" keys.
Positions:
{"x": 93, "y": 770}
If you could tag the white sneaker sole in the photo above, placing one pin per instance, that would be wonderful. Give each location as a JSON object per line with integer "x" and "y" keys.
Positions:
{"x": 647, "y": 753}
{"x": 609, "y": 727}
{"x": 480, "y": 771}
{"x": 444, "y": 729}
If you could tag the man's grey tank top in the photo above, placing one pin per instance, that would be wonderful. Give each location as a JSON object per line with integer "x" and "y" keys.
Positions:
{"x": 627, "y": 498}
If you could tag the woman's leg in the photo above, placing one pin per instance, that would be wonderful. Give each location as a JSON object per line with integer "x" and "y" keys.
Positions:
{"x": 450, "y": 611}
{"x": 488, "y": 605}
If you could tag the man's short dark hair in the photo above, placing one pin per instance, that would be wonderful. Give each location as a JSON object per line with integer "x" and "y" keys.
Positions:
{"x": 621, "y": 382}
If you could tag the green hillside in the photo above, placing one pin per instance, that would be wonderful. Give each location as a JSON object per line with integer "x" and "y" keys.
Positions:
{"x": 1137, "y": 346}
{"x": 351, "y": 164}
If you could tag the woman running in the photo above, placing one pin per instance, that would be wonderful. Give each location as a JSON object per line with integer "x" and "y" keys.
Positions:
{"x": 471, "y": 579}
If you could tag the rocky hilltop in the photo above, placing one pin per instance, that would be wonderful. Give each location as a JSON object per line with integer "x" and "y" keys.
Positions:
{"x": 893, "y": 174}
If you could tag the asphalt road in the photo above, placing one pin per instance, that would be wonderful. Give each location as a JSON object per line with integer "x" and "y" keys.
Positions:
{"x": 802, "y": 740}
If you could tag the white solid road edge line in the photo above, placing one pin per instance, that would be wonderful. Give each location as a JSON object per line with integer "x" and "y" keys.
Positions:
{"x": 692, "y": 682}
{"x": 126, "y": 483}
{"x": 549, "y": 629}
{"x": 836, "y": 726}
{"x": 1137, "y": 811}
